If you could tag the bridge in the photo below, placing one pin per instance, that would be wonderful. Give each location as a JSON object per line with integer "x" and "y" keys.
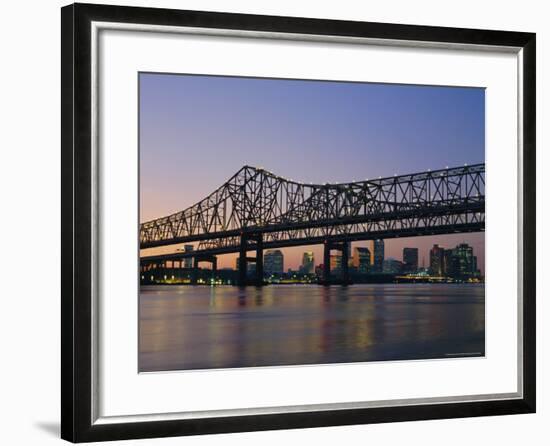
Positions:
{"x": 257, "y": 210}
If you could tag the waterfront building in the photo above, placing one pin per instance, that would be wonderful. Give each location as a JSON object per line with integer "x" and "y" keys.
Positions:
{"x": 410, "y": 260}
{"x": 335, "y": 262}
{"x": 361, "y": 259}
{"x": 348, "y": 249}
{"x": 436, "y": 260}
{"x": 273, "y": 262}
{"x": 319, "y": 270}
{"x": 448, "y": 263}
{"x": 464, "y": 263}
{"x": 378, "y": 255}
{"x": 392, "y": 266}
{"x": 188, "y": 261}
{"x": 308, "y": 265}
{"x": 250, "y": 267}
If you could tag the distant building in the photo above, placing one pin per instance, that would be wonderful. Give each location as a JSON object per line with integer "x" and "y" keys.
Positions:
{"x": 319, "y": 270}
{"x": 348, "y": 249}
{"x": 448, "y": 266}
{"x": 308, "y": 265}
{"x": 335, "y": 262}
{"x": 378, "y": 255}
{"x": 392, "y": 266}
{"x": 463, "y": 263}
{"x": 188, "y": 261}
{"x": 250, "y": 267}
{"x": 410, "y": 260}
{"x": 436, "y": 260}
{"x": 361, "y": 259}
{"x": 273, "y": 262}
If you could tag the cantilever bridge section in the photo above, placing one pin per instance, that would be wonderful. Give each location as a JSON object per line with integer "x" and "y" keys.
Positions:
{"x": 256, "y": 210}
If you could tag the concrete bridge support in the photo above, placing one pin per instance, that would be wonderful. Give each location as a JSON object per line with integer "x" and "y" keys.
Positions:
{"x": 213, "y": 260}
{"x": 343, "y": 247}
{"x": 326, "y": 262}
{"x": 251, "y": 242}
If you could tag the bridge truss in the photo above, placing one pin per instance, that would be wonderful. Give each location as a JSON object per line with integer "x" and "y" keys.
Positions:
{"x": 256, "y": 209}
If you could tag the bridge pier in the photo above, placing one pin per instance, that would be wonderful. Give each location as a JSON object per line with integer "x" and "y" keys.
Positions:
{"x": 326, "y": 263}
{"x": 195, "y": 272}
{"x": 259, "y": 262}
{"x": 213, "y": 260}
{"x": 242, "y": 263}
{"x": 343, "y": 247}
{"x": 257, "y": 245}
{"x": 345, "y": 263}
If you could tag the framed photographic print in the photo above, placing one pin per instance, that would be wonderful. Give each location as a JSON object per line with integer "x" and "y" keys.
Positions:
{"x": 276, "y": 222}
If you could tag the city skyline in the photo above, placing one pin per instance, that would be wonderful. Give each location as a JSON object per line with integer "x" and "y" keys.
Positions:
{"x": 196, "y": 131}
{"x": 456, "y": 264}
{"x": 423, "y": 261}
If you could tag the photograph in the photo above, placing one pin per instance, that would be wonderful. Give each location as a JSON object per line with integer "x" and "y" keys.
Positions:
{"x": 275, "y": 219}
{"x": 287, "y": 222}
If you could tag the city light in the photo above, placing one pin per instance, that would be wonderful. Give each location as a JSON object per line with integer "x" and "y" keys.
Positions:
{"x": 365, "y": 264}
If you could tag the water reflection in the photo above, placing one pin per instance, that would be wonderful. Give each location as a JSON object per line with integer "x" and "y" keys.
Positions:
{"x": 184, "y": 327}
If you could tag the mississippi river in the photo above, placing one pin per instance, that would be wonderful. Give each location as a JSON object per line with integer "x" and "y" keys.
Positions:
{"x": 200, "y": 327}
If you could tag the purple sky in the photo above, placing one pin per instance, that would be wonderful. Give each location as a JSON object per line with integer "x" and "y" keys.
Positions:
{"x": 197, "y": 131}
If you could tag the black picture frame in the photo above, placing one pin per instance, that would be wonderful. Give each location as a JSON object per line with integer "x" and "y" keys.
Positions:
{"x": 76, "y": 279}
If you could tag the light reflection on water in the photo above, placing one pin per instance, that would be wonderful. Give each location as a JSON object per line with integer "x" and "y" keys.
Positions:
{"x": 185, "y": 327}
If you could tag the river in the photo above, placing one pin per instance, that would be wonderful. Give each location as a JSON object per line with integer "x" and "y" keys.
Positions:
{"x": 201, "y": 327}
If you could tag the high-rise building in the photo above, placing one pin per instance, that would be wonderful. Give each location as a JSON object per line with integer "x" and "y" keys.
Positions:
{"x": 361, "y": 259}
{"x": 250, "y": 266}
{"x": 348, "y": 249}
{"x": 463, "y": 261}
{"x": 308, "y": 265}
{"x": 392, "y": 266}
{"x": 436, "y": 260}
{"x": 448, "y": 266}
{"x": 335, "y": 262}
{"x": 378, "y": 255}
{"x": 188, "y": 261}
{"x": 410, "y": 260}
{"x": 273, "y": 262}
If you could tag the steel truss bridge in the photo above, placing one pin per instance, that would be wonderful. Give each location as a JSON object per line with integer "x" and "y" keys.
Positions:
{"x": 256, "y": 210}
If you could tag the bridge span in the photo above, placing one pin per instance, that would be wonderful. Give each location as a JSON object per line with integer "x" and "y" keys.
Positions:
{"x": 256, "y": 210}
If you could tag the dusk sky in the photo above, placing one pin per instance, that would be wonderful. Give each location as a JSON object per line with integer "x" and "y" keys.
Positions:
{"x": 197, "y": 131}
